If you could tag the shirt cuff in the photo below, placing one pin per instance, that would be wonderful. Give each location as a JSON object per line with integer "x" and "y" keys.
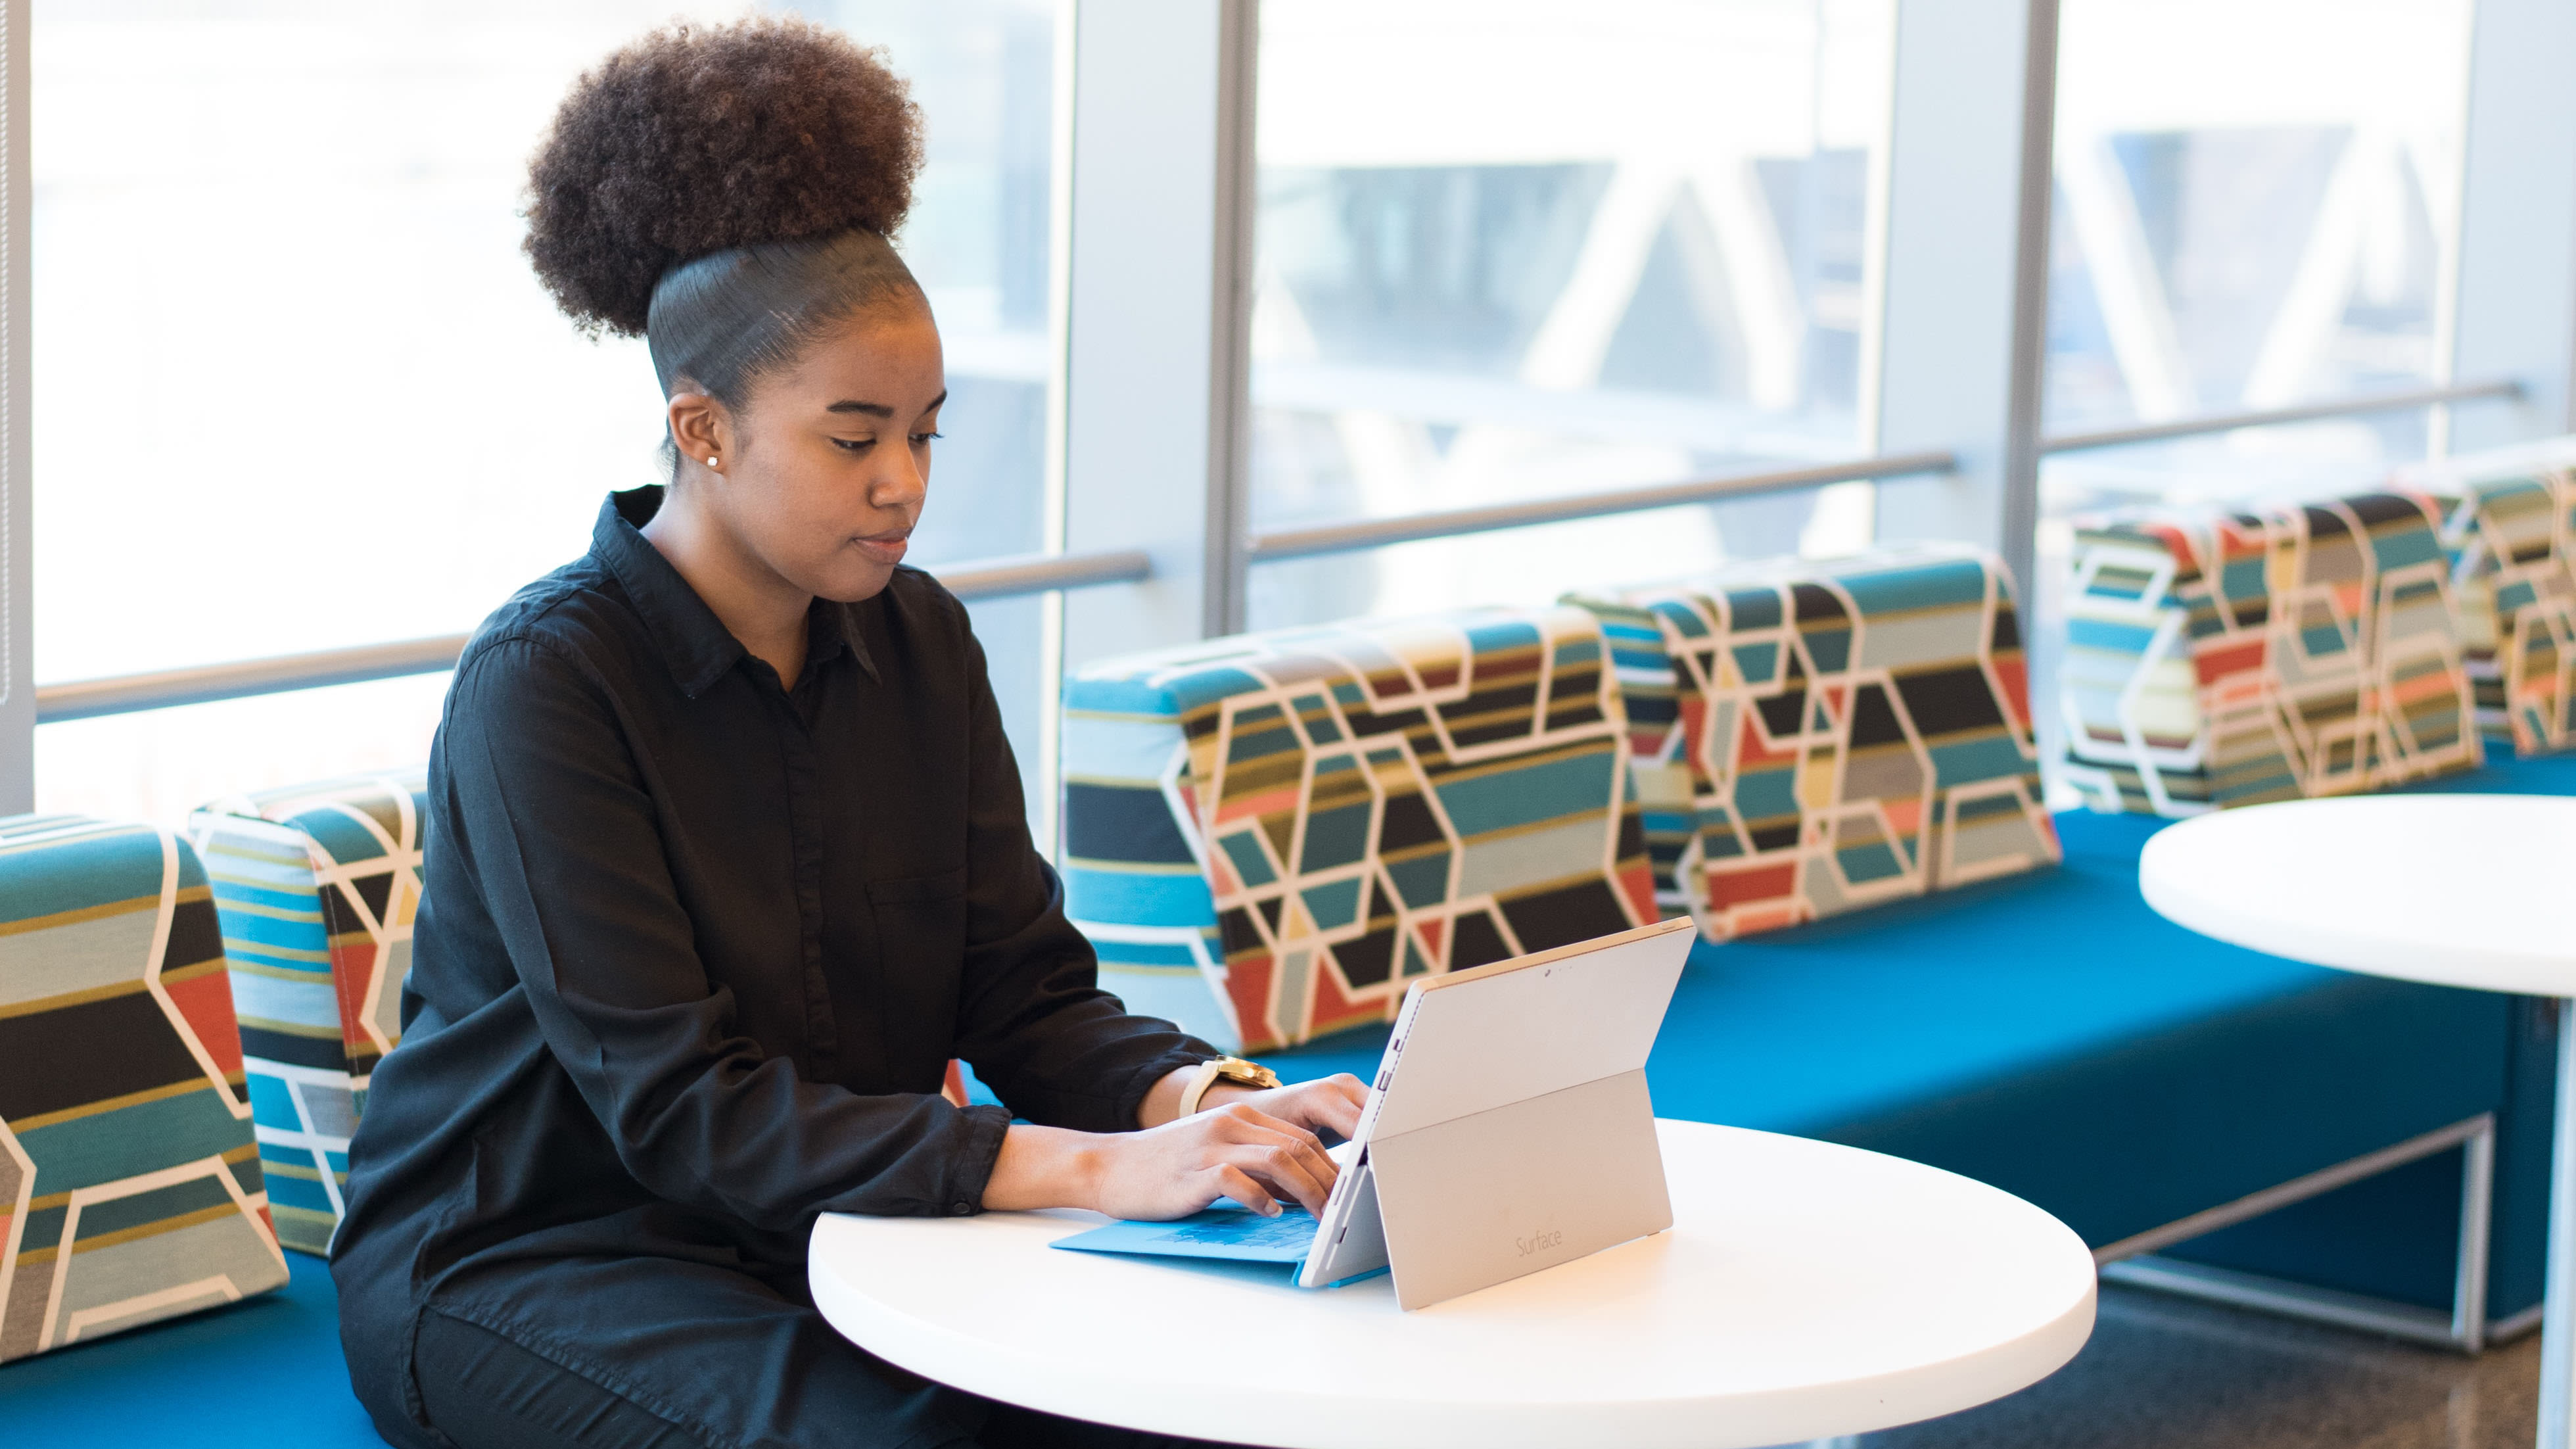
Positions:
{"x": 986, "y": 1125}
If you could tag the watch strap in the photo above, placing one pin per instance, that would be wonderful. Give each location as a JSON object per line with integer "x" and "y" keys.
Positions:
{"x": 1225, "y": 1069}
{"x": 1200, "y": 1080}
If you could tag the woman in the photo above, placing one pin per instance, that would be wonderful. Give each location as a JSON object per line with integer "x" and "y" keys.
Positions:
{"x": 728, "y": 852}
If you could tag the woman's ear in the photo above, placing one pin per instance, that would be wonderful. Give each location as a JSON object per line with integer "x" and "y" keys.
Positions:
{"x": 700, "y": 429}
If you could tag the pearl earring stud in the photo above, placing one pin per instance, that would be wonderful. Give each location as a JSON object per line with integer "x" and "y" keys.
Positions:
{"x": 711, "y": 460}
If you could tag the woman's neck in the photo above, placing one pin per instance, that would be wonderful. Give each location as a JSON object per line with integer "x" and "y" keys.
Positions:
{"x": 764, "y": 611}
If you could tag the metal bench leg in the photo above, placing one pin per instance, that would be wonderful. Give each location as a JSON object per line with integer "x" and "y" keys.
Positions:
{"x": 2465, "y": 1327}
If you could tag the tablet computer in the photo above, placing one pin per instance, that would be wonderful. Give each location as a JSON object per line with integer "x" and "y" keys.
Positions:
{"x": 1508, "y": 1129}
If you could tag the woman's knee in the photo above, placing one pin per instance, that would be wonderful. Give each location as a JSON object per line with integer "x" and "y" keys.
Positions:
{"x": 483, "y": 1391}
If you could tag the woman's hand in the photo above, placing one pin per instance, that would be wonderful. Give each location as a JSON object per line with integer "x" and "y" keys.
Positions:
{"x": 1235, "y": 1151}
{"x": 1258, "y": 1148}
{"x": 1327, "y": 1104}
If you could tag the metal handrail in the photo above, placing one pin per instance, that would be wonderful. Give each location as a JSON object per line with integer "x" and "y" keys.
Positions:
{"x": 200, "y": 684}
{"x": 1044, "y": 573}
{"x": 997, "y": 578}
{"x": 993, "y": 578}
{"x": 1288, "y": 543}
{"x": 2422, "y": 397}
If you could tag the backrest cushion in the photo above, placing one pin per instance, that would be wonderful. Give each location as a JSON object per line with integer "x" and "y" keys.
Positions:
{"x": 1267, "y": 836}
{"x": 1812, "y": 736}
{"x": 130, "y": 1190}
{"x": 2227, "y": 658}
{"x": 2511, "y": 536}
{"x": 316, "y": 886}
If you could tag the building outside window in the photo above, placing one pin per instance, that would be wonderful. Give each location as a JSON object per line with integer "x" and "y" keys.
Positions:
{"x": 297, "y": 388}
{"x": 2257, "y": 205}
{"x": 1516, "y": 250}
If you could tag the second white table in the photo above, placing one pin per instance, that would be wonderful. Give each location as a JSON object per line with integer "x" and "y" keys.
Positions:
{"x": 2455, "y": 890}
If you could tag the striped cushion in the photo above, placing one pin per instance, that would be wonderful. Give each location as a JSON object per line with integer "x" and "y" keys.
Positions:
{"x": 1268, "y": 836}
{"x": 316, "y": 885}
{"x": 129, "y": 1187}
{"x": 2218, "y": 659}
{"x": 2511, "y": 537}
{"x": 1810, "y": 737}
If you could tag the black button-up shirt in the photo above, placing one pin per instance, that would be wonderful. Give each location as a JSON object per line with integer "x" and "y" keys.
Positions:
{"x": 695, "y": 949}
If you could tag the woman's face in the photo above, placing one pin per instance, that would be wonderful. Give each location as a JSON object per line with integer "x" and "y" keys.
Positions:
{"x": 830, "y": 459}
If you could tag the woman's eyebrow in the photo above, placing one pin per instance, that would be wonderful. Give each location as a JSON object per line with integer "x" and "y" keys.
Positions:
{"x": 880, "y": 410}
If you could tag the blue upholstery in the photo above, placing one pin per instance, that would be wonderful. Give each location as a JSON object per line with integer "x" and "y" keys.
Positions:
{"x": 2052, "y": 1035}
{"x": 258, "y": 1374}
{"x": 2048, "y": 1033}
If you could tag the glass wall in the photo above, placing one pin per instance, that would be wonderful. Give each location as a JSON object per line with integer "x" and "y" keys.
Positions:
{"x": 983, "y": 72}
{"x": 1521, "y": 249}
{"x": 297, "y": 388}
{"x": 2257, "y": 205}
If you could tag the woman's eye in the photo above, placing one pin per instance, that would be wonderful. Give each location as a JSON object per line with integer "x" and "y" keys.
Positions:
{"x": 854, "y": 445}
{"x": 919, "y": 439}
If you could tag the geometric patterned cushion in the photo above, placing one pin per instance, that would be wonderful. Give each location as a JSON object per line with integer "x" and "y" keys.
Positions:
{"x": 2511, "y": 537}
{"x": 129, "y": 1187}
{"x": 1813, "y": 736}
{"x": 317, "y": 885}
{"x": 2217, "y": 659}
{"x": 1269, "y": 836}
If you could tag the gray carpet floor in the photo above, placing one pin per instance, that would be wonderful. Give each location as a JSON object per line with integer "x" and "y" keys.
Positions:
{"x": 2168, "y": 1373}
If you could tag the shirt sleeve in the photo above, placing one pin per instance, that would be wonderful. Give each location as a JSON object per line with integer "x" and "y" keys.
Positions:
{"x": 1032, "y": 1019}
{"x": 554, "y": 827}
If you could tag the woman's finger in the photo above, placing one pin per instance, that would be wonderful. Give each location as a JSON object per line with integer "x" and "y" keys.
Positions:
{"x": 1284, "y": 1172}
{"x": 1332, "y": 1102}
{"x": 1234, "y": 1183}
{"x": 1279, "y": 1176}
{"x": 1242, "y": 1125}
{"x": 1246, "y": 1115}
{"x": 1339, "y": 1100}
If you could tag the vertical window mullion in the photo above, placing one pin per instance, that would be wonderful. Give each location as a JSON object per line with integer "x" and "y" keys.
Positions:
{"x": 1963, "y": 303}
{"x": 17, "y": 626}
{"x": 2512, "y": 308}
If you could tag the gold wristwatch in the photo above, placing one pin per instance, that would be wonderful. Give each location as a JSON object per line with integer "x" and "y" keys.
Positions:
{"x": 1225, "y": 1069}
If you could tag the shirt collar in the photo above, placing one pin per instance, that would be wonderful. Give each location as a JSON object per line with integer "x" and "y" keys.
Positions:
{"x": 693, "y": 641}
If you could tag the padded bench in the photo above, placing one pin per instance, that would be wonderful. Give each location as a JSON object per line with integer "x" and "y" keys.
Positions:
{"x": 2053, "y": 1036}
{"x": 2047, "y": 1033}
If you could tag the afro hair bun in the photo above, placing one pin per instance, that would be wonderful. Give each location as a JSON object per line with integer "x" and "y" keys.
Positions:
{"x": 700, "y": 139}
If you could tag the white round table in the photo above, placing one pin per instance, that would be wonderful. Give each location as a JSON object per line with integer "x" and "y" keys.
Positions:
{"x": 1805, "y": 1290}
{"x": 2455, "y": 890}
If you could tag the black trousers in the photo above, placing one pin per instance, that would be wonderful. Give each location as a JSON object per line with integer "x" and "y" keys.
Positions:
{"x": 652, "y": 1353}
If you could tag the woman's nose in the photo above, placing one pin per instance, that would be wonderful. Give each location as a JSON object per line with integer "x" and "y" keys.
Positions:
{"x": 900, "y": 486}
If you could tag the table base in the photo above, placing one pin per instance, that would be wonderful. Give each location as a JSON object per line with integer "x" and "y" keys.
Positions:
{"x": 2558, "y": 1311}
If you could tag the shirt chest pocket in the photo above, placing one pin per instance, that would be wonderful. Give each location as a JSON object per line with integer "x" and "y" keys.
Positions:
{"x": 918, "y": 926}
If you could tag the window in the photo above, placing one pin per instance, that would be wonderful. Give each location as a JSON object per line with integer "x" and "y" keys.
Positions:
{"x": 1530, "y": 249}
{"x": 297, "y": 388}
{"x": 2257, "y": 205}
{"x": 983, "y": 72}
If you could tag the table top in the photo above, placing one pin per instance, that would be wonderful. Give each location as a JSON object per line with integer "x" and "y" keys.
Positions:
{"x": 1805, "y": 1290}
{"x": 2457, "y": 890}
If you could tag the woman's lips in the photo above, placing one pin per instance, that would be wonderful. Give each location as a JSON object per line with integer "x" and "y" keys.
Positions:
{"x": 886, "y": 548}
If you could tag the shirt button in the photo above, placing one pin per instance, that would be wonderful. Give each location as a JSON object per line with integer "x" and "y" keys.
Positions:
{"x": 961, "y": 1209}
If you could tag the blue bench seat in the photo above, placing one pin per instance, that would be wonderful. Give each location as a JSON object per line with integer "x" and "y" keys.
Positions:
{"x": 2047, "y": 1033}
{"x": 2054, "y": 1036}
{"x": 260, "y": 1374}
